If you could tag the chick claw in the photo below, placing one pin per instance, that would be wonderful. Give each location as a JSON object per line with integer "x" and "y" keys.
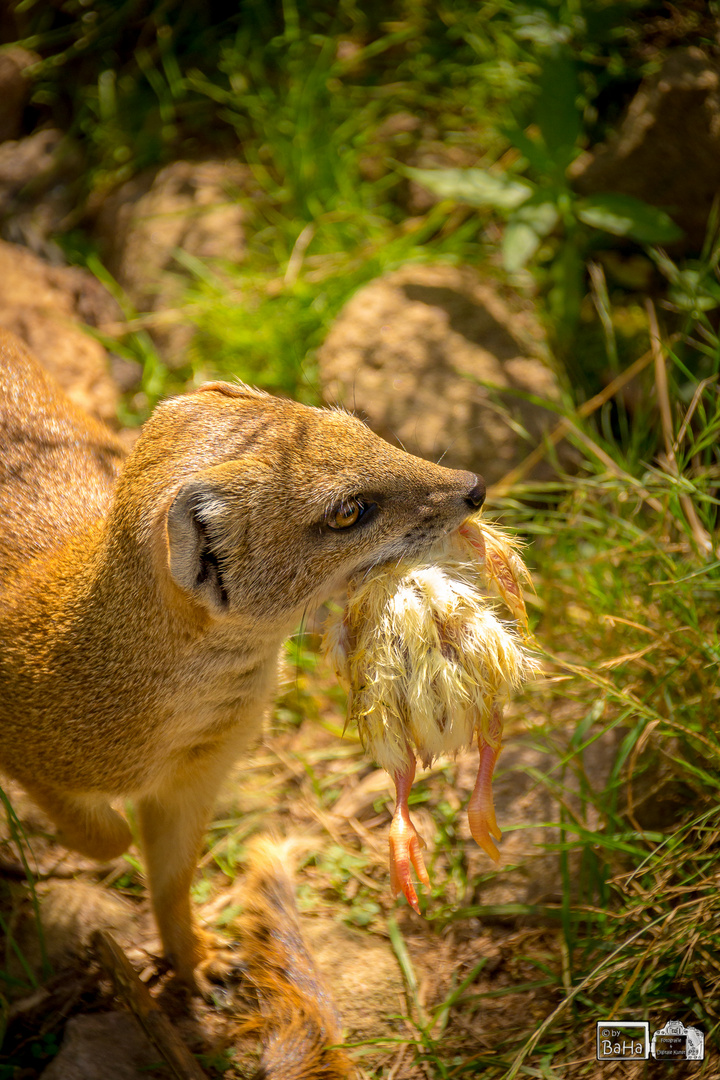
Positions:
{"x": 481, "y": 811}
{"x": 405, "y": 843}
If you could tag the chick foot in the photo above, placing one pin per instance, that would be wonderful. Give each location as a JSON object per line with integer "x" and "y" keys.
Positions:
{"x": 481, "y": 811}
{"x": 405, "y": 842}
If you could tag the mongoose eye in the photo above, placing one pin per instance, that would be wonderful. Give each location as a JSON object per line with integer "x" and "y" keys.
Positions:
{"x": 346, "y": 514}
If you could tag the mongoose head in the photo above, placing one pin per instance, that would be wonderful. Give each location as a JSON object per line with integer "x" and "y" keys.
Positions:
{"x": 263, "y": 507}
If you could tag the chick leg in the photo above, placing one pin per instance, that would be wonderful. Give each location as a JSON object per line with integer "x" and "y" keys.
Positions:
{"x": 405, "y": 842}
{"x": 481, "y": 812}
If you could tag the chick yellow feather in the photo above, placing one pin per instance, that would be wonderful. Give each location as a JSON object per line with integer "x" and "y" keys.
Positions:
{"x": 424, "y": 652}
{"x": 430, "y": 662}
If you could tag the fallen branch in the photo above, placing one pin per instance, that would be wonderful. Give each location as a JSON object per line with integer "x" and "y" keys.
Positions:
{"x": 149, "y": 1015}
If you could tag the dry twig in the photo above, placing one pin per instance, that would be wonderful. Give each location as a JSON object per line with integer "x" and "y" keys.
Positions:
{"x": 149, "y": 1015}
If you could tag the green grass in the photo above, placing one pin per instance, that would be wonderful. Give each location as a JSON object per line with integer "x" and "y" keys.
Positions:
{"x": 301, "y": 84}
{"x": 631, "y": 617}
{"x": 269, "y": 330}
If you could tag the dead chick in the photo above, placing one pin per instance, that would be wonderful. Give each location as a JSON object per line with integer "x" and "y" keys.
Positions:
{"x": 429, "y": 665}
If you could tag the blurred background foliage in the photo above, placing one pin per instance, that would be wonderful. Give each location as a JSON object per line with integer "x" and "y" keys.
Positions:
{"x": 306, "y": 93}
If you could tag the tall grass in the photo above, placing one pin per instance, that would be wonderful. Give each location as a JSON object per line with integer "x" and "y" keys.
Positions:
{"x": 628, "y": 580}
{"x": 627, "y": 571}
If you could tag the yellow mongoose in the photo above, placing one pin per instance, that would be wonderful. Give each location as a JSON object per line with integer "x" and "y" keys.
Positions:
{"x": 143, "y": 602}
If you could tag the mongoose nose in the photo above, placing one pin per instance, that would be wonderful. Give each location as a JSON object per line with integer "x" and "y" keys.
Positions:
{"x": 476, "y": 495}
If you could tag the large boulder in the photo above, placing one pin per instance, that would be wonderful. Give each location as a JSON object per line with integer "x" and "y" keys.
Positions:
{"x": 39, "y": 187}
{"x": 14, "y": 89}
{"x": 46, "y": 306}
{"x": 187, "y": 206}
{"x": 667, "y": 148}
{"x": 441, "y": 362}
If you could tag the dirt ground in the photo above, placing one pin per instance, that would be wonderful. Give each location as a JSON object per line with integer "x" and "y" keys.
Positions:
{"x": 306, "y": 782}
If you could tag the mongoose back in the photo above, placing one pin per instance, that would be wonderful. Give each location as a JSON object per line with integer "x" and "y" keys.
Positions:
{"x": 144, "y": 601}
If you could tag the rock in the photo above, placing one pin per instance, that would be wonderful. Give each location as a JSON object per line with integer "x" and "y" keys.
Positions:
{"x": 23, "y": 161}
{"x": 46, "y": 306}
{"x": 70, "y": 911}
{"x": 667, "y": 148}
{"x": 188, "y": 205}
{"x": 104, "y": 1046}
{"x": 14, "y": 89}
{"x": 411, "y": 352}
{"x": 38, "y": 197}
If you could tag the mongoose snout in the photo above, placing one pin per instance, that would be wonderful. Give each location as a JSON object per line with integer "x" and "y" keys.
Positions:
{"x": 476, "y": 495}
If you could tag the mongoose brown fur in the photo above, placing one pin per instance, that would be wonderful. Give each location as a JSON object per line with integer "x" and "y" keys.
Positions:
{"x": 144, "y": 600}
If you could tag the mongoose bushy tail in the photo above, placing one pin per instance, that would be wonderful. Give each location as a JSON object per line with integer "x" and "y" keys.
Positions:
{"x": 297, "y": 1022}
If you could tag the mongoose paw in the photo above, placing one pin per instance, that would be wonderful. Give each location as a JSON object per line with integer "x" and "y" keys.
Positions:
{"x": 213, "y": 969}
{"x": 217, "y": 978}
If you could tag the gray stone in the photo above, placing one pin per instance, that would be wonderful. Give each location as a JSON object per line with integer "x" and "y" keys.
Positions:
{"x": 440, "y": 362}
{"x": 667, "y": 148}
{"x": 14, "y": 89}
{"x": 70, "y": 911}
{"x": 104, "y": 1046}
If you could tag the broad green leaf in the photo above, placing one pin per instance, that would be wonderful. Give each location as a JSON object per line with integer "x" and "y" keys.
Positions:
{"x": 525, "y": 231}
{"x": 538, "y": 26}
{"x": 624, "y": 215}
{"x": 477, "y": 187}
{"x": 540, "y": 216}
{"x": 556, "y": 109}
{"x": 520, "y": 243}
{"x": 534, "y": 150}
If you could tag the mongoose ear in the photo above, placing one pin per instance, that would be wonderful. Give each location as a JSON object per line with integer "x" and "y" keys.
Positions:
{"x": 194, "y": 564}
